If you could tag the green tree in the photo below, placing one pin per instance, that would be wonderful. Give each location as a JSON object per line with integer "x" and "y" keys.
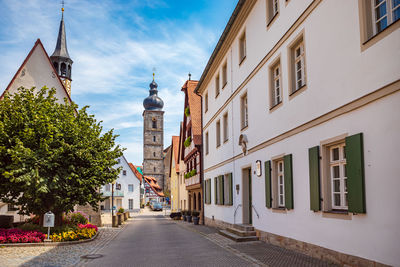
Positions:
{"x": 52, "y": 155}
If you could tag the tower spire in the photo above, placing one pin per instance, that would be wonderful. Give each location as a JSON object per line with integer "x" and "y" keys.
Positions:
{"x": 60, "y": 58}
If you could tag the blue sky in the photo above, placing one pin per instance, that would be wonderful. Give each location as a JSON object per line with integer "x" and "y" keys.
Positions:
{"x": 115, "y": 45}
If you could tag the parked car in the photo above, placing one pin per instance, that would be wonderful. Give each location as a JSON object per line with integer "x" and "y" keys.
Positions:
{"x": 156, "y": 206}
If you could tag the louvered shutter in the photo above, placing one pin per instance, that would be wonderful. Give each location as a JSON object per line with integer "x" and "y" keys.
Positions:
{"x": 215, "y": 191}
{"x": 267, "y": 171}
{"x": 355, "y": 173}
{"x": 230, "y": 187}
{"x": 313, "y": 160}
{"x": 288, "y": 173}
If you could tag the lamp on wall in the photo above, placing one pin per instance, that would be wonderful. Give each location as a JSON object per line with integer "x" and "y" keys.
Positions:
{"x": 258, "y": 168}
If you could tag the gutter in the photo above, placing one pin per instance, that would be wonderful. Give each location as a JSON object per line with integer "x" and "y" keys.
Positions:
{"x": 220, "y": 42}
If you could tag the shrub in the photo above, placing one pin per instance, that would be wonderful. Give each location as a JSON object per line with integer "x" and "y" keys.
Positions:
{"x": 121, "y": 210}
{"x": 76, "y": 217}
{"x": 16, "y": 235}
{"x": 187, "y": 142}
{"x": 195, "y": 213}
{"x": 83, "y": 231}
{"x": 191, "y": 173}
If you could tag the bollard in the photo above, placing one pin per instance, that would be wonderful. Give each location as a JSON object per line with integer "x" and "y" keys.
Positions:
{"x": 119, "y": 219}
{"x": 114, "y": 221}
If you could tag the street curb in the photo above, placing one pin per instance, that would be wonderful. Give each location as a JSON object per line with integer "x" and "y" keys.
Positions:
{"x": 228, "y": 248}
{"x": 50, "y": 244}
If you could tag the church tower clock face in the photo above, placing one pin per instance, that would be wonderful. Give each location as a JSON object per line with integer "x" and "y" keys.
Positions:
{"x": 153, "y": 135}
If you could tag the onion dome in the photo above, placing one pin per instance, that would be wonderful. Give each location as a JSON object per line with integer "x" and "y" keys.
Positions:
{"x": 153, "y": 102}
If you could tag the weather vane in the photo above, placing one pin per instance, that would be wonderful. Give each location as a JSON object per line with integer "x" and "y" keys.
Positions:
{"x": 154, "y": 70}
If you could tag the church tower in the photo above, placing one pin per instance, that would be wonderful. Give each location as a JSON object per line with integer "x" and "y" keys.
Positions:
{"x": 153, "y": 135}
{"x": 60, "y": 57}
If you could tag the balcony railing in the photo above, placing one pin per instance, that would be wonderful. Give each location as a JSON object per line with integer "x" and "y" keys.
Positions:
{"x": 195, "y": 179}
{"x": 189, "y": 148}
{"x": 117, "y": 193}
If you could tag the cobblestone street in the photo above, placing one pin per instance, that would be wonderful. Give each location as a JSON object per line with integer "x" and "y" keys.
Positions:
{"x": 151, "y": 239}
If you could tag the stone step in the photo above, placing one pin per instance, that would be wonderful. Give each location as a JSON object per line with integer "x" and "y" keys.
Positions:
{"x": 237, "y": 238}
{"x": 240, "y": 232}
{"x": 243, "y": 227}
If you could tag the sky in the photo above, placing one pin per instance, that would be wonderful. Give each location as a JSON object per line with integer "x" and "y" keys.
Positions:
{"x": 115, "y": 46}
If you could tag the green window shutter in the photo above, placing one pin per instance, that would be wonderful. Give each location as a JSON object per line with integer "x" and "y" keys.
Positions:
{"x": 268, "y": 200}
{"x": 209, "y": 191}
{"x": 230, "y": 189}
{"x": 215, "y": 191}
{"x": 221, "y": 190}
{"x": 288, "y": 172}
{"x": 313, "y": 160}
{"x": 355, "y": 173}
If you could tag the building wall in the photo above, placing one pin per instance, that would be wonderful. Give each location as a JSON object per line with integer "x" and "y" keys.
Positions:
{"x": 183, "y": 193}
{"x": 153, "y": 163}
{"x": 167, "y": 177}
{"x": 338, "y": 71}
{"x": 174, "y": 184}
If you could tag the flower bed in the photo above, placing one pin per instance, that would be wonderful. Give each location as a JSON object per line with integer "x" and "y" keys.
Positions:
{"x": 84, "y": 231}
{"x": 20, "y": 236}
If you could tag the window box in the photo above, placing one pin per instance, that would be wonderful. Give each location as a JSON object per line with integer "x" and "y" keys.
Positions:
{"x": 187, "y": 142}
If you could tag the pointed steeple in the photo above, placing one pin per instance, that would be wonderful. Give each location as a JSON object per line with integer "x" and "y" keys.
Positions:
{"x": 60, "y": 57}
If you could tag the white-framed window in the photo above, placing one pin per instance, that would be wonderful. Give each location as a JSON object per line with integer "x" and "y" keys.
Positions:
{"x": 207, "y": 143}
{"x": 224, "y": 75}
{"x": 130, "y": 203}
{"x": 124, "y": 172}
{"x": 225, "y": 127}
{"x": 272, "y": 10}
{"x": 217, "y": 86}
{"x": 206, "y": 102}
{"x": 276, "y": 84}
{"x": 275, "y": 7}
{"x": 242, "y": 47}
{"x": 218, "y": 133}
{"x": 244, "y": 111}
{"x": 130, "y": 187}
{"x": 11, "y": 207}
{"x": 227, "y": 189}
{"x": 107, "y": 187}
{"x": 338, "y": 176}
{"x": 280, "y": 182}
{"x": 384, "y": 13}
{"x": 299, "y": 66}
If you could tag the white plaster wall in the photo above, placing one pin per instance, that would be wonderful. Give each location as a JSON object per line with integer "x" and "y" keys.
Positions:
{"x": 374, "y": 235}
{"x": 38, "y": 73}
{"x": 337, "y": 72}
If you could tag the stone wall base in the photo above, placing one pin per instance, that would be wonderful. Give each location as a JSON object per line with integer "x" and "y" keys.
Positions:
{"x": 305, "y": 248}
{"x": 94, "y": 216}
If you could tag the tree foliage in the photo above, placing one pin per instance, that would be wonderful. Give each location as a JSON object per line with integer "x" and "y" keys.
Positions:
{"x": 52, "y": 155}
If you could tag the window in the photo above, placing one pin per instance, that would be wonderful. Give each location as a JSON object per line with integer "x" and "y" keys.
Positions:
{"x": 206, "y": 102}
{"x": 154, "y": 138}
{"x": 298, "y": 66}
{"x": 242, "y": 47}
{"x": 207, "y": 191}
{"x": 275, "y": 84}
{"x": 218, "y": 133}
{"x": 280, "y": 183}
{"x": 154, "y": 123}
{"x": 223, "y": 187}
{"x": 272, "y": 10}
{"x": 338, "y": 176}
{"x": 154, "y": 169}
{"x": 124, "y": 172}
{"x": 154, "y": 154}
{"x": 217, "y": 86}
{"x": 384, "y": 13}
{"x": 130, "y": 201}
{"x": 227, "y": 189}
{"x": 207, "y": 146}
{"x": 130, "y": 187}
{"x": 107, "y": 188}
{"x": 225, "y": 126}
{"x": 244, "y": 111}
{"x": 11, "y": 207}
{"x": 224, "y": 75}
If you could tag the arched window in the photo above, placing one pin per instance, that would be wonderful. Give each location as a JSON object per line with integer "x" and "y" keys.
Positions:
{"x": 154, "y": 138}
{"x": 194, "y": 201}
{"x": 154, "y": 123}
{"x": 55, "y": 64}
{"x": 69, "y": 71}
{"x": 199, "y": 201}
{"x": 63, "y": 69}
{"x": 154, "y": 154}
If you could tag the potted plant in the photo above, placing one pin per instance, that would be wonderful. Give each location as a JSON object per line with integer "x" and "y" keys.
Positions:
{"x": 196, "y": 217}
{"x": 189, "y": 216}
{"x": 184, "y": 215}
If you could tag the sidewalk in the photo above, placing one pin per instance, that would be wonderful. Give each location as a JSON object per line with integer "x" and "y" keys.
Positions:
{"x": 258, "y": 252}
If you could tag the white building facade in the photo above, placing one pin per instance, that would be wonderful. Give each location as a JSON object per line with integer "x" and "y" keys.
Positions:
{"x": 300, "y": 127}
{"x": 126, "y": 190}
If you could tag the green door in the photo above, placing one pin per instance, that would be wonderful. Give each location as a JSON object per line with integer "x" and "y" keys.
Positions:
{"x": 250, "y": 201}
